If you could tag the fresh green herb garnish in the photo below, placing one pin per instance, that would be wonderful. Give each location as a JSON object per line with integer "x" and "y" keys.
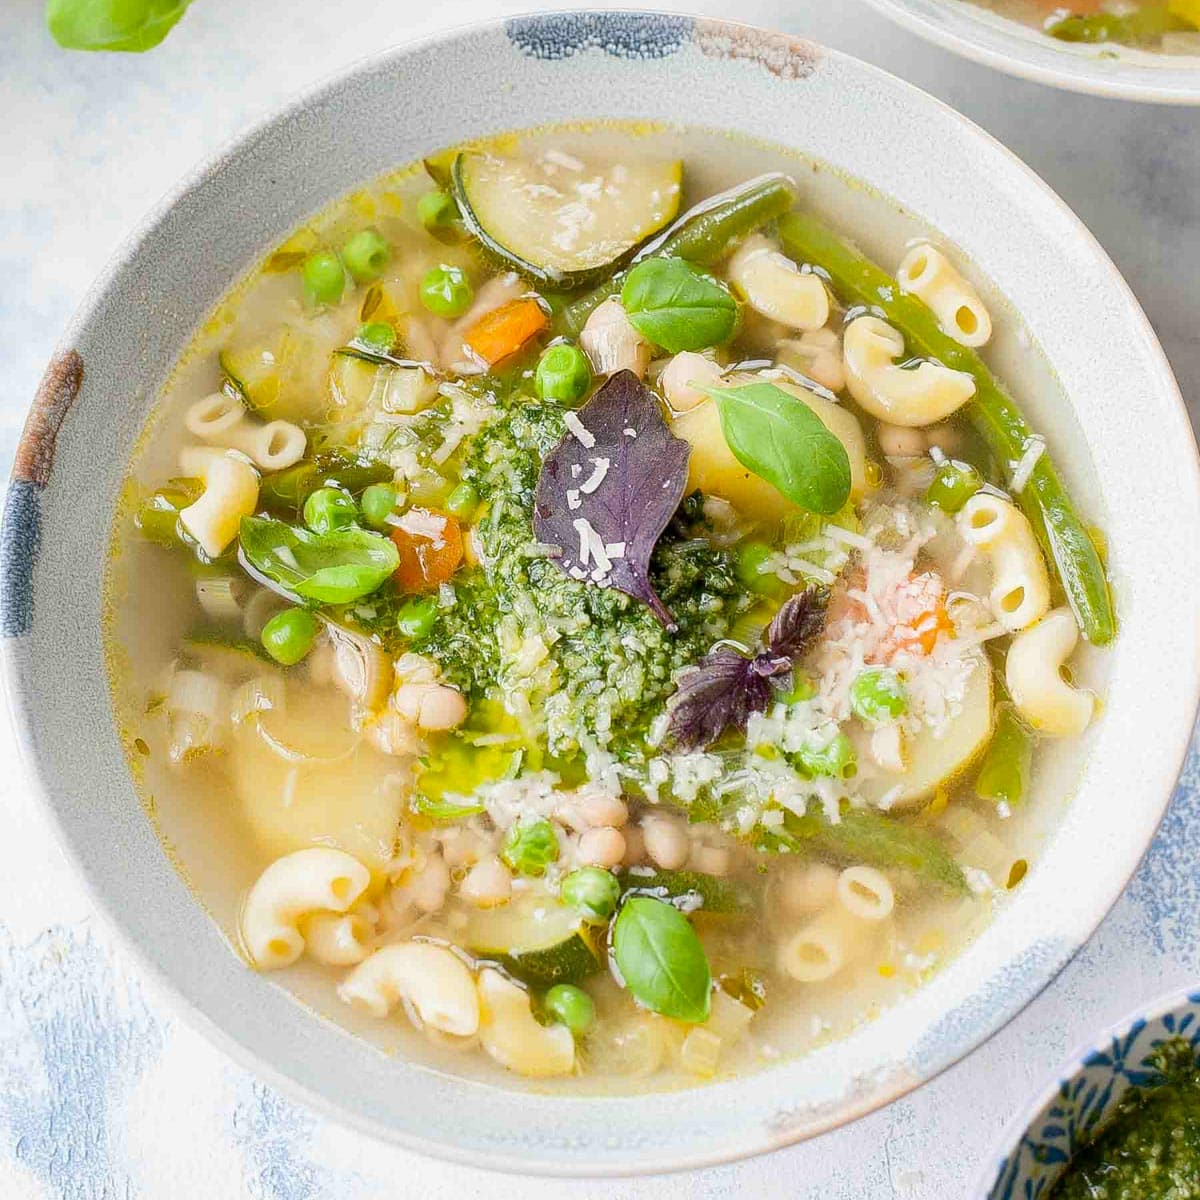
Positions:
{"x": 661, "y": 960}
{"x": 130, "y": 25}
{"x": 676, "y": 307}
{"x": 779, "y": 438}
{"x": 329, "y": 568}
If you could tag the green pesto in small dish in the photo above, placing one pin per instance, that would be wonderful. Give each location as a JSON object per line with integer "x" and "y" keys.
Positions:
{"x": 1150, "y": 1148}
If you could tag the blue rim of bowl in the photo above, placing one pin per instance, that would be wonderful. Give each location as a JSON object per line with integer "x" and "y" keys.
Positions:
{"x": 244, "y": 1054}
{"x": 1010, "y": 1140}
{"x": 1054, "y": 66}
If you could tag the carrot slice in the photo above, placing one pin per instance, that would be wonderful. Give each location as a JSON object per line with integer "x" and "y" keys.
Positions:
{"x": 499, "y": 334}
{"x": 429, "y": 552}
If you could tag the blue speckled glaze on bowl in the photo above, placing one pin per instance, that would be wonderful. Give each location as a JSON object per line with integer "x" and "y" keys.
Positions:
{"x": 527, "y": 72}
{"x": 1041, "y": 1142}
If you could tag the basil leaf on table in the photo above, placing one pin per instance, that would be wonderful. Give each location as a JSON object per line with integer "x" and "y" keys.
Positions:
{"x": 674, "y": 306}
{"x": 329, "y": 568}
{"x": 779, "y": 438}
{"x": 132, "y": 25}
{"x": 661, "y": 960}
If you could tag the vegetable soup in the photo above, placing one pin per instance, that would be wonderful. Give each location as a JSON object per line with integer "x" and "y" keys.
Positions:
{"x": 573, "y": 615}
{"x": 1169, "y": 26}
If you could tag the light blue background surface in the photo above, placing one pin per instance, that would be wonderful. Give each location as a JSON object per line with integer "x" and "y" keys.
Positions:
{"x": 104, "y": 1093}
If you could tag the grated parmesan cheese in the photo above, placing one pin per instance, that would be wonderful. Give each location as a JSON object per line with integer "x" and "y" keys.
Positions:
{"x": 582, "y": 434}
{"x": 596, "y": 478}
{"x": 1035, "y": 447}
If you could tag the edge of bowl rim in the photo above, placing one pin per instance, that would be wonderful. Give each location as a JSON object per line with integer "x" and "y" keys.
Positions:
{"x": 1085, "y": 83}
{"x": 1069, "y": 1068}
{"x": 245, "y": 1056}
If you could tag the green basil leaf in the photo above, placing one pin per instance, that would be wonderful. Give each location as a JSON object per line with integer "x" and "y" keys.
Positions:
{"x": 779, "y": 438}
{"x": 133, "y": 25}
{"x": 330, "y": 568}
{"x": 661, "y": 960}
{"x": 674, "y": 306}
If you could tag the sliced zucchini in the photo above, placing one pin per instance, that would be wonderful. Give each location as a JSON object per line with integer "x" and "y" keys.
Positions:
{"x": 707, "y": 893}
{"x": 536, "y": 939}
{"x": 933, "y": 761}
{"x": 564, "y": 224}
{"x": 361, "y": 385}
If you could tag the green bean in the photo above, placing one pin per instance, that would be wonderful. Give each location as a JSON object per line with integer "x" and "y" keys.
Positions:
{"x": 862, "y": 835}
{"x": 1004, "y": 775}
{"x": 702, "y": 235}
{"x": 157, "y": 517}
{"x": 992, "y": 412}
{"x": 287, "y": 490}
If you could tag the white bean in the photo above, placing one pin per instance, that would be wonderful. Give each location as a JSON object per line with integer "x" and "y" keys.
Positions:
{"x": 599, "y": 811}
{"x": 666, "y": 842}
{"x": 602, "y": 847}
{"x": 681, "y": 375}
{"x": 709, "y": 860}
{"x": 897, "y": 441}
{"x": 429, "y": 886}
{"x": 488, "y": 884}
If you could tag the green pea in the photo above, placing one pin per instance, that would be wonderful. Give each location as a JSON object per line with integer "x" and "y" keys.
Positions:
{"x": 954, "y": 483}
{"x": 878, "y": 694}
{"x": 328, "y": 509}
{"x": 572, "y": 1006}
{"x": 463, "y": 501}
{"x": 437, "y": 210}
{"x": 288, "y": 636}
{"x": 836, "y": 758}
{"x": 752, "y": 569}
{"x": 446, "y": 291}
{"x": 416, "y": 617}
{"x": 563, "y": 374}
{"x": 377, "y": 335}
{"x": 324, "y": 277}
{"x": 378, "y": 503}
{"x": 530, "y": 847}
{"x": 802, "y": 688}
{"x": 593, "y": 891}
{"x": 366, "y": 254}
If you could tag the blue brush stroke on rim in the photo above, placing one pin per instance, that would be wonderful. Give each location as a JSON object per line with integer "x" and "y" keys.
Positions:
{"x": 19, "y": 540}
{"x": 620, "y": 34}
{"x": 974, "y": 1019}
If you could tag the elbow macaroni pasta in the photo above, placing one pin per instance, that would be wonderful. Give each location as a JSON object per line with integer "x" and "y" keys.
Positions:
{"x": 920, "y": 395}
{"x": 230, "y": 493}
{"x": 222, "y": 421}
{"x": 774, "y": 286}
{"x": 1020, "y": 592}
{"x": 337, "y": 941}
{"x": 306, "y": 881}
{"x": 510, "y": 1033}
{"x": 929, "y": 275}
{"x": 1033, "y": 673}
{"x": 433, "y": 980}
{"x": 866, "y": 893}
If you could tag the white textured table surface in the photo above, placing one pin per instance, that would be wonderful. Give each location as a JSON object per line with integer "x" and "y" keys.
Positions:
{"x": 104, "y": 1093}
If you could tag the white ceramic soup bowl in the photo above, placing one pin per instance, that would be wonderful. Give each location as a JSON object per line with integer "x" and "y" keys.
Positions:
{"x": 1102, "y": 70}
{"x": 1120, "y": 434}
{"x": 1086, "y": 1092}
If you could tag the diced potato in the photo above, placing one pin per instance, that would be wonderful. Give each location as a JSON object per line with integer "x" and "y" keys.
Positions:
{"x": 931, "y": 761}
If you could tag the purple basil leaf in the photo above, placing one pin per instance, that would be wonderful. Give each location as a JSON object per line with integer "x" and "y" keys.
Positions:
{"x": 798, "y": 624}
{"x": 622, "y": 441}
{"x": 722, "y": 691}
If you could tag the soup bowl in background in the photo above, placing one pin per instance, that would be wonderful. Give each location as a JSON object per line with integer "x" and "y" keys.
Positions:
{"x": 1086, "y": 1093}
{"x": 1121, "y": 436}
{"x": 997, "y": 41}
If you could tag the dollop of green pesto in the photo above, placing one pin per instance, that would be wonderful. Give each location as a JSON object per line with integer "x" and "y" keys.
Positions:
{"x": 585, "y": 666}
{"x": 1150, "y": 1148}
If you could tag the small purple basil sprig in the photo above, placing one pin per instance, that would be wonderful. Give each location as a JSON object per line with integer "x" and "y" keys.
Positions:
{"x": 608, "y": 490}
{"x": 725, "y": 687}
